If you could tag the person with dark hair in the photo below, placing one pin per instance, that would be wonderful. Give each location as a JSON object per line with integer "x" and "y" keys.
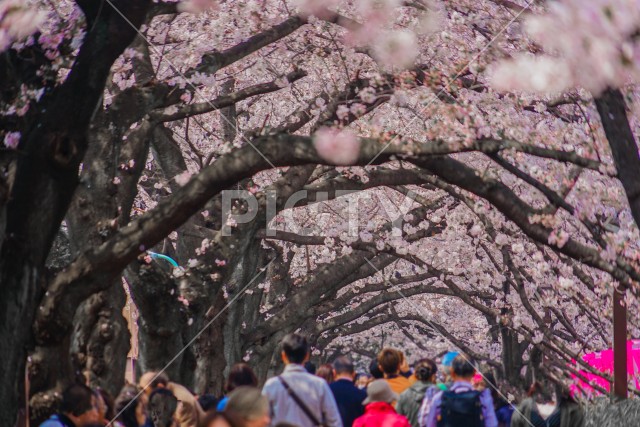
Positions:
{"x": 189, "y": 412}
{"x": 362, "y": 380}
{"x": 374, "y": 370}
{"x": 568, "y": 412}
{"x": 325, "y": 372}
{"x": 77, "y": 409}
{"x": 504, "y": 410}
{"x": 348, "y": 397}
{"x": 389, "y": 362}
{"x": 379, "y": 410}
{"x": 424, "y": 388}
{"x": 460, "y": 404}
{"x": 527, "y": 413}
{"x": 297, "y": 396}
{"x": 248, "y": 407}
{"x": 129, "y": 407}
{"x": 208, "y": 402}
{"x": 162, "y": 408}
{"x": 240, "y": 374}
{"x": 310, "y": 367}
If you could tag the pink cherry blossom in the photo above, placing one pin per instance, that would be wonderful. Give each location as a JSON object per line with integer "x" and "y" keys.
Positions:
{"x": 339, "y": 147}
{"x": 12, "y": 139}
{"x": 315, "y": 7}
{"x": 396, "y": 49}
{"x": 183, "y": 178}
{"x": 197, "y": 6}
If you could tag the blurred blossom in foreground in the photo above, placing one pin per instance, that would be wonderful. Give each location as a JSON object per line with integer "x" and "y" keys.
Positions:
{"x": 339, "y": 147}
{"x": 396, "y": 49}
{"x": 197, "y": 6}
{"x": 17, "y": 21}
{"x": 590, "y": 44}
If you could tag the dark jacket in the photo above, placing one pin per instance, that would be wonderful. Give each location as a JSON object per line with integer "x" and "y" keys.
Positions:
{"x": 349, "y": 399}
{"x": 411, "y": 400}
{"x": 567, "y": 415}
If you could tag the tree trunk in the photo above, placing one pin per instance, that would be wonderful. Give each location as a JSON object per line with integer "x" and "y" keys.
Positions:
{"x": 613, "y": 114}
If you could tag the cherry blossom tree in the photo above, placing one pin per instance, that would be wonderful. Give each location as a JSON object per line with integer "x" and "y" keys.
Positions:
{"x": 489, "y": 219}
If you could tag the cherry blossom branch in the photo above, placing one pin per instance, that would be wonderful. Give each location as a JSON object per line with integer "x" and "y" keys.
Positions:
{"x": 223, "y": 101}
{"x": 516, "y": 210}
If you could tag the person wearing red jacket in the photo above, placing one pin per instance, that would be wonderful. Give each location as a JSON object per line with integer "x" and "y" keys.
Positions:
{"x": 378, "y": 411}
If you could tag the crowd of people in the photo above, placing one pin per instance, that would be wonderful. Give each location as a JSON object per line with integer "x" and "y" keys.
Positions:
{"x": 392, "y": 394}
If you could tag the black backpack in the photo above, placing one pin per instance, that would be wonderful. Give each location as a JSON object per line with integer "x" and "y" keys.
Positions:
{"x": 461, "y": 409}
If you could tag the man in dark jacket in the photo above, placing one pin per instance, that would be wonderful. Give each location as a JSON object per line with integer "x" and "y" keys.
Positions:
{"x": 78, "y": 408}
{"x": 348, "y": 397}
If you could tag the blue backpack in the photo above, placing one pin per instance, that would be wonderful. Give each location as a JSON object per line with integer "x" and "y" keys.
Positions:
{"x": 461, "y": 409}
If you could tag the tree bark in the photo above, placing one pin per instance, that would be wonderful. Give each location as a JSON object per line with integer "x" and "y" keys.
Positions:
{"x": 613, "y": 114}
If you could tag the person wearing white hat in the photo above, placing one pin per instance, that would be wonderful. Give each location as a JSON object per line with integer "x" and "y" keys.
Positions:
{"x": 378, "y": 410}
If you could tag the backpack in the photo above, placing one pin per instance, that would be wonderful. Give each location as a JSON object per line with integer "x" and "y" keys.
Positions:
{"x": 461, "y": 409}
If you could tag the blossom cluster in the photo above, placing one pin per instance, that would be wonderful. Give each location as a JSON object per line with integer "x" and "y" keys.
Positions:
{"x": 17, "y": 21}
{"x": 590, "y": 44}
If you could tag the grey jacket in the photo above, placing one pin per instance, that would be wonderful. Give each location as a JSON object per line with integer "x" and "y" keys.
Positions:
{"x": 411, "y": 400}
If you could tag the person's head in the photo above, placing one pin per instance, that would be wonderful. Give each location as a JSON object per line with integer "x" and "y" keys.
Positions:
{"x": 462, "y": 369}
{"x": 130, "y": 407}
{"x": 363, "y": 380}
{"x": 208, "y": 402}
{"x": 425, "y": 370}
{"x": 325, "y": 372}
{"x": 564, "y": 396}
{"x": 343, "y": 368}
{"x": 374, "y": 369}
{"x": 239, "y": 375}
{"x": 380, "y": 391}
{"x": 389, "y": 361}
{"x": 486, "y": 380}
{"x": 79, "y": 404}
{"x": 295, "y": 349}
{"x": 104, "y": 405}
{"x": 150, "y": 381}
{"x": 217, "y": 419}
{"x": 162, "y": 407}
{"x": 249, "y": 407}
{"x": 310, "y": 367}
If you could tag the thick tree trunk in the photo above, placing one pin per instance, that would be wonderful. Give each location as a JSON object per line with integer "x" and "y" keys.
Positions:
{"x": 20, "y": 282}
{"x": 102, "y": 355}
{"x": 161, "y": 319}
{"x": 613, "y": 114}
{"x": 45, "y": 180}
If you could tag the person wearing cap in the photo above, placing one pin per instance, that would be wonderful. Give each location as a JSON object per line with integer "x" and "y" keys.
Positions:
{"x": 378, "y": 410}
